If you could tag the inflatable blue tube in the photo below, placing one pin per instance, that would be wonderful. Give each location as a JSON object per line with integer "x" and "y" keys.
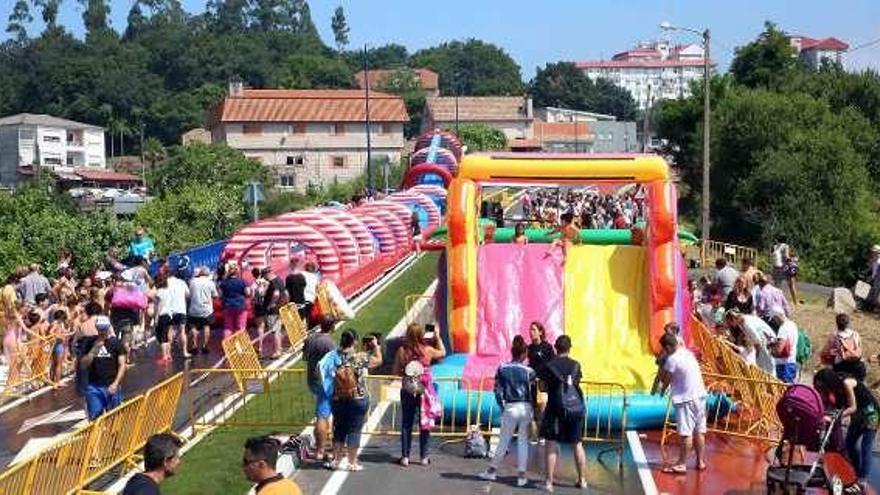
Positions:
{"x": 645, "y": 411}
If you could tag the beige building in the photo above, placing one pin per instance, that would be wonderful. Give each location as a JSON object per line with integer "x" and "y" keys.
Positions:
{"x": 512, "y": 115}
{"x": 310, "y": 136}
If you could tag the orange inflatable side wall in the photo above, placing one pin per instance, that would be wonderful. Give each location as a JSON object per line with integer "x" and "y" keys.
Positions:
{"x": 461, "y": 269}
{"x": 663, "y": 250}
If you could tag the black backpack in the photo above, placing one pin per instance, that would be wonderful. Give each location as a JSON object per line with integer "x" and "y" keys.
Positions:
{"x": 569, "y": 397}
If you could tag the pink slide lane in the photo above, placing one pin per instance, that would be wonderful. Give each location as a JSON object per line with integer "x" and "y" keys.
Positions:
{"x": 516, "y": 285}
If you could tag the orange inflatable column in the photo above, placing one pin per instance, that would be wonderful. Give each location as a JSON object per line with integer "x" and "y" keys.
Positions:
{"x": 461, "y": 269}
{"x": 662, "y": 256}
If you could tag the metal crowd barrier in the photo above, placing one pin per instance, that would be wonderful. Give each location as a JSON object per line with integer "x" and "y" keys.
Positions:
{"x": 29, "y": 369}
{"x": 742, "y": 408}
{"x": 712, "y": 250}
{"x": 86, "y": 454}
{"x": 242, "y": 357}
{"x": 297, "y": 330}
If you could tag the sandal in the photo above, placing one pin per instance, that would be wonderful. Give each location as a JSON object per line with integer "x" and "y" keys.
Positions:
{"x": 676, "y": 469}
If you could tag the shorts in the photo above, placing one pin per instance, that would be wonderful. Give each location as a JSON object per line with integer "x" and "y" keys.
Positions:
{"x": 273, "y": 323}
{"x": 164, "y": 324}
{"x": 780, "y": 275}
{"x": 565, "y": 429}
{"x": 58, "y": 348}
{"x": 787, "y": 372}
{"x": 690, "y": 417}
{"x": 199, "y": 322}
{"x": 323, "y": 409}
{"x": 348, "y": 420}
{"x": 99, "y": 400}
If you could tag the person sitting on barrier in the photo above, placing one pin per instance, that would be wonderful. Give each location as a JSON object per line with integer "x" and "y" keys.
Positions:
{"x": 742, "y": 342}
{"x": 563, "y": 421}
{"x": 413, "y": 364}
{"x": 104, "y": 365}
{"x": 161, "y": 461}
{"x": 759, "y": 332}
{"x": 315, "y": 347}
{"x": 681, "y": 374}
{"x": 343, "y": 374}
{"x": 258, "y": 464}
{"x": 514, "y": 383}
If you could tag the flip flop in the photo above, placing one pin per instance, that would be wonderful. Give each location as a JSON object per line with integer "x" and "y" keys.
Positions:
{"x": 677, "y": 469}
{"x": 703, "y": 467}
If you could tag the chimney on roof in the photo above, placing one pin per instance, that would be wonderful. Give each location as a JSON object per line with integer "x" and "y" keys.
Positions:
{"x": 236, "y": 86}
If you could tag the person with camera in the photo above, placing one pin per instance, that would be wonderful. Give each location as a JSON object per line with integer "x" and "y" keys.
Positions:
{"x": 343, "y": 374}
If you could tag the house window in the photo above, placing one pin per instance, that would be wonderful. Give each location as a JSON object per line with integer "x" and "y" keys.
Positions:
{"x": 287, "y": 180}
{"x": 299, "y": 128}
{"x": 252, "y": 129}
{"x": 338, "y": 161}
{"x": 386, "y": 129}
{"x": 69, "y": 160}
{"x": 51, "y": 139}
{"x": 51, "y": 160}
{"x": 337, "y": 129}
{"x": 295, "y": 160}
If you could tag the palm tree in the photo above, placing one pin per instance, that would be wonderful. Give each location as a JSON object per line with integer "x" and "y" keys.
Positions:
{"x": 154, "y": 151}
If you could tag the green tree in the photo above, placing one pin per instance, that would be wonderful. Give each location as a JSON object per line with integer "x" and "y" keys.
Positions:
{"x": 49, "y": 13}
{"x": 390, "y": 56}
{"x": 18, "y": 20}
{"x": 563, "y": 85}
{"x": 212, "y": 166}
{"x": 405, "y": 83}
{"x": 305, "y": 24}
{"x": 765, "y": 62}
{"x": 472, "y": 67}
{"x": 316, "y": 72}
{"x": 340, "y": 28}
{"x": 154, "y": 152}
{"x": 95, "y": 13}
{"x": 481, "y": 137}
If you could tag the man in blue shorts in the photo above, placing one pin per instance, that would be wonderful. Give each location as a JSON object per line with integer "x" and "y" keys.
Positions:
{"x": 314, "y": 348}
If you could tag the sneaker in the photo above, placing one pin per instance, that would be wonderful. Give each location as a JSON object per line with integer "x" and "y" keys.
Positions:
{"x": 521, "y": 482}
{"x": 488, "y": 475}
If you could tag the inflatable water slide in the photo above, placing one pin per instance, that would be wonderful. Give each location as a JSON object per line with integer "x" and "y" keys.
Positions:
{"x": 612, "y": 293}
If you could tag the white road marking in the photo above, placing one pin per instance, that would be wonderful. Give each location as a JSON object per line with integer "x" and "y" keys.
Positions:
{"x": 338, "y": 477}
{"x": 645, "y": 476}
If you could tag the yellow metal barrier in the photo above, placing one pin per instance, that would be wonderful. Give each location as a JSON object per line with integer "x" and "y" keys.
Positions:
{"x": 242, "y": 358}
{"x": 712, "y": 250}
{"x": 747, "y": 409}
{"x": 296, "y": 328}
{"x": 30, "y": 365}
{"x": 84, "y": 455}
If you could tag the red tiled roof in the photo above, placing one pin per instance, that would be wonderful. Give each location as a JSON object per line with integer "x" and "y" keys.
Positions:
{"x": 101, "y": 175}
{"x": 524, "y": 144}
{"x": 639, "y": 52}
{"x": 823, "y": 44}
{"x": 613, "y": 64}
{"x": 427, "y": 77}
{"x": 307, "y": 105}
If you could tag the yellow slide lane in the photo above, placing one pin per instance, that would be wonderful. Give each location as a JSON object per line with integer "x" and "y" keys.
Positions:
{"x": 607, "y": 314}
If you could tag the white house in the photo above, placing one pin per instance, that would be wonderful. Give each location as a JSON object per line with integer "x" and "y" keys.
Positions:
{"x": 652, "y": 71}
{"x": 31, "y": 144}
{"x": 813, "y": 51}
{"x": 310, "y": 136}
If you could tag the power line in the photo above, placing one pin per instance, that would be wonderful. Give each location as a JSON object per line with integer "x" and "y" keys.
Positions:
{"x": 864, "y": 45}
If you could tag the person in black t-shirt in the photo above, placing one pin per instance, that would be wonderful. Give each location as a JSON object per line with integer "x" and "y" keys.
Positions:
{"x": 274, "y": 298}
{"x": 103, "y": 366}
{"x": 540, "y": 352}
{"x": 161, "y": 460}
{"x": 296, "y": 289}
{"x": 564, "y": 418}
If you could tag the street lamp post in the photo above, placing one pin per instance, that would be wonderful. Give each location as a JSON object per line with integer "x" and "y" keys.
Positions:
{"x": 707, "y": 118}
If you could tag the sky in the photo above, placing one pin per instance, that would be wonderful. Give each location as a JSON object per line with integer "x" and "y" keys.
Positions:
{"x": 538, "y": 32}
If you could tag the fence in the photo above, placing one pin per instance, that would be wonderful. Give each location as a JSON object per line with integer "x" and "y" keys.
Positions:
{"x": 280, "y": 399}
{"x": 90, "y": 452}
{"x": 712, "y": 250}
{"x": 242, "y": 357}
{"x": 30, "y": 365}
{"x": 294, "y": 326}
{"x": 740, "y": 407}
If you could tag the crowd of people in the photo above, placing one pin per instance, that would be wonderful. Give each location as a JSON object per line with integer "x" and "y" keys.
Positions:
{"x": 589, "y": 208}
{"x": 92, "y": 320}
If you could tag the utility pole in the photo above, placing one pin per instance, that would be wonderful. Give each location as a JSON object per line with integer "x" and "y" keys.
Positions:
{"x": 646, "y": 138}
{"x": 369, "y": 145}
{"x": 707, "y": 119}
{"x": 457, "y": 89}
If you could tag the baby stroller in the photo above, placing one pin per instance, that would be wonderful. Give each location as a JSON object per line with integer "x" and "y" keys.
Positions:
{"x": 802, "y": 414}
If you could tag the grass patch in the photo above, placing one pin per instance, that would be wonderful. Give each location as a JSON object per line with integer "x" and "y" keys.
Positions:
{"x": 214, "y": 465}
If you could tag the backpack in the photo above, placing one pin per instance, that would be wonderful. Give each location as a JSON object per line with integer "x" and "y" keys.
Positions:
{"x": 570, "y": 399}
{"x": 412, "y": 377}
{"x": 848, "y": 348}
{"x": 475, "y": 444}
{"x": 345, "y": 382}
{"x": 804, "y": 347}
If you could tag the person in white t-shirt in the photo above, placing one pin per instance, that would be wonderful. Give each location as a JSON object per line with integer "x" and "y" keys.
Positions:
{"x": 784, "y": 347}
{"x": 681, "y": 374}
{"x": 172, "y": 294}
